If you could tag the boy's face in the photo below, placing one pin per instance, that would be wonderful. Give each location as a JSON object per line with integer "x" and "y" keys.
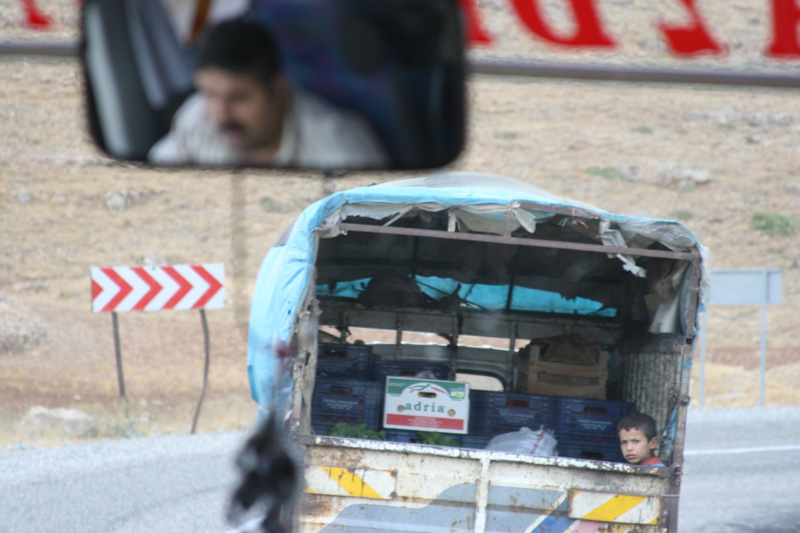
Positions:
{"x": 635, "y": 447}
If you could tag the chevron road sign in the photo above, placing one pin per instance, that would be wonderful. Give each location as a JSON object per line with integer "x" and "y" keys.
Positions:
{"x": 150, "y": 288}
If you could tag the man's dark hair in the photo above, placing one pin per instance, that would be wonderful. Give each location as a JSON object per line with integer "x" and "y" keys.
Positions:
{"x": 241, "y": 47}
{"x": 640, "y": 421}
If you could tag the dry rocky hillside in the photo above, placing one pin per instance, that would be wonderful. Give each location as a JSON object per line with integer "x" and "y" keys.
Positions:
{"x": 710, "y": 157}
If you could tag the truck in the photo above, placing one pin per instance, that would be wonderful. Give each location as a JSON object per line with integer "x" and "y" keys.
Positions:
{"x": 558, "y": 316}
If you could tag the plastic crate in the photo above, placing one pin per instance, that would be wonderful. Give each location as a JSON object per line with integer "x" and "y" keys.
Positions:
{"x": 593, "y": 407}
{"x": 493, "y": 413}
{"x": 410, "y": 436}
{"x": 590, "y": 421}
{"x": 474, "y": 441}
{"x": 408, "y": 369}
{"x": 345, "y": 400}
{"x": 595, "y": 452}
{"x": 344, "y": 360}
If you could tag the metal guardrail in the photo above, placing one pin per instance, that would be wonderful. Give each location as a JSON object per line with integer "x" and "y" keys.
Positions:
{"x": 52, "y": 49}
{"x": 636, "y": 75}
{"x": 521, "y": 68}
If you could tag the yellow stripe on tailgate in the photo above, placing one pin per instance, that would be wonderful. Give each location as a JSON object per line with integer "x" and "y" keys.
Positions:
{"x": 617, "y": 506}
{"x": 611, "y": 507}
{"x": 351, "y": 483}
{"x": 355, "y": 483}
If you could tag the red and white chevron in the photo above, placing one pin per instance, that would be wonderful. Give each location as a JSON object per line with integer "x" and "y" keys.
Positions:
{"x": 150, "y": 288}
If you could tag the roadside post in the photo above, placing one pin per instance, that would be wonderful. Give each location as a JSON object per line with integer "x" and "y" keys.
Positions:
{"x": 742, "y": 287}
{"x": 155, "y": 288}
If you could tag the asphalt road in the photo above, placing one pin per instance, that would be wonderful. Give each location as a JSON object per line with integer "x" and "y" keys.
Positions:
{"x": 742, "y": 475}
{"x": 742, "y": 471}
{"x": 165, "y": 484}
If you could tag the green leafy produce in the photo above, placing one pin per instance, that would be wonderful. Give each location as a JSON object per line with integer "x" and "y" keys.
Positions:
{"x": 437, "y": 439}
{"x": 355, "y": 431}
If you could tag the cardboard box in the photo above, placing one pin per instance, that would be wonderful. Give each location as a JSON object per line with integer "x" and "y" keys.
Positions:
{"x": 563, "y": 366}
{"x": 426, "y": 405}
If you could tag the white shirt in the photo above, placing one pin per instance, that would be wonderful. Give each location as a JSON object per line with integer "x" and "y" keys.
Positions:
{"x": 315, "y": 135}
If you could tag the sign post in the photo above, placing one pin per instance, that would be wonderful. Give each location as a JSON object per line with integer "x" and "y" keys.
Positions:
{"x": 743, "y": 287}
{"x": 118, "y": 353}
{"x": 151, "y": 288}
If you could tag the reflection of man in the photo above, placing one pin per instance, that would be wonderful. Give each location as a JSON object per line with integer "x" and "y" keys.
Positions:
{"x": 245, "y": 113}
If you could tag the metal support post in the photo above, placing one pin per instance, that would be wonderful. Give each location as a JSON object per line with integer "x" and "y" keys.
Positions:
{"x": 205, "y": 368}
{"x": 118, "y": 352}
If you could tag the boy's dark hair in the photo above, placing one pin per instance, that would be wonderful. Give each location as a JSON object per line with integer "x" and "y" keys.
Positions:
{"x": 241, "y": 47}
{"x": 641, "y": 421}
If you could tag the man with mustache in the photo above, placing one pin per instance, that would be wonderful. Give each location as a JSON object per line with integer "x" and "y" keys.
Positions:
{"x": 245, "y": 113}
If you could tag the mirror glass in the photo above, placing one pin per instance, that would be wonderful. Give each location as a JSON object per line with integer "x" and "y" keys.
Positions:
{"x": 298, "y": 84}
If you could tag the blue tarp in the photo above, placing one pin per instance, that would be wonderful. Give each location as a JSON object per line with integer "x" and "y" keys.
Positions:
{"x": 485, "y": 297}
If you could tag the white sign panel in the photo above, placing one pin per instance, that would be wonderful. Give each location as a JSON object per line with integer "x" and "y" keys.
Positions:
{"x": 745, "y": 287}
{"x": 150, "y": 288}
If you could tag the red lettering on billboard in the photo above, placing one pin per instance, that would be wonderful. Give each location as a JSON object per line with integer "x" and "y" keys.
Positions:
{"x": 588, "y": 32}
{"x": 35, "y": 18}
{"x": 785, "y": 17}
{"x": 475, "y": 30}
{"x": 687, "y": 39}
{"x": 690, "y": 39}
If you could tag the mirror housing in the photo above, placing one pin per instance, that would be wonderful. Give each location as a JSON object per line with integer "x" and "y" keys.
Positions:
{"x": 390, "y": 74}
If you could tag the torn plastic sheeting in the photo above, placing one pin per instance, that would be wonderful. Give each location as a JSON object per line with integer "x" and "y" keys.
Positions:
{"x": 641, "y": 232}
{"x": 491, "y": 218}
{"x": 615, "y": 238}
{"x": 481, "y": 218}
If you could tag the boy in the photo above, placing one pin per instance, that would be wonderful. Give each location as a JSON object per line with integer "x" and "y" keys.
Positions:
{"x": 638, "y": 440}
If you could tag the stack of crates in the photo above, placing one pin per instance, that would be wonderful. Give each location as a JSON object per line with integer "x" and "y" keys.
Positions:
{"x": 493, "y": 413}
{"x": 343, "y": 392}
{"x": 350, "y": 401}
{"x": 344, "y": 360}
{"x": 587, "y": 428}
{"x": 350, "y": 388}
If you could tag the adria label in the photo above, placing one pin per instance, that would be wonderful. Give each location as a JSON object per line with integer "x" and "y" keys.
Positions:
{"x": 427, "y": 405}
{"x": 149, "y": 288}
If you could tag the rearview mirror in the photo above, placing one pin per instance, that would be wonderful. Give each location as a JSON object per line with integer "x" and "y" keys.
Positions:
{"x": 299, "y": 84}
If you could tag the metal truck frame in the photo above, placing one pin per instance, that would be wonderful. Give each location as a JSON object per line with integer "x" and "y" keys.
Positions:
{"x": 497, "y": 259}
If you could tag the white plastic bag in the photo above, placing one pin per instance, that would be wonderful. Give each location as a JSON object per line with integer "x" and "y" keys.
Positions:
{"x": 525, "y": 441}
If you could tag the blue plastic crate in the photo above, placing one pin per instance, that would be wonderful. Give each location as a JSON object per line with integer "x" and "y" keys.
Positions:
{"x": 595, "y": 452}
{"x": 411, "y": 436}
{"x": 493, "y": 413}
{"x": 593, "y": 407}
{"x": 567, "y": 432}
{"x": 344, "y": 360}
{"x": 474, "y": 441}
{"x": 345, "y": 400}
{"x": 590, "y": 421}
{"x": 408, "y": 369}
{"x": 400, "y": 435}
